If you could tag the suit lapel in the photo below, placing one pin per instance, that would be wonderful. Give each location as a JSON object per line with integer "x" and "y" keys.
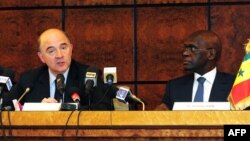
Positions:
{"x": 218, "y": 87}
{"x": 187, "y": 88}
{"x": 44, "y": 88}
{"x": 72, "y": 79}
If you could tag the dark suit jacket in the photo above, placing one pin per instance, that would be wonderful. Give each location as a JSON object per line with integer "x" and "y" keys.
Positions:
{"x": 38, "y": 81}
{"x": 180, "y": 89}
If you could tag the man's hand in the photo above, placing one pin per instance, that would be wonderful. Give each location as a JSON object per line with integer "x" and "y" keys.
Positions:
{"x": 49, "y": 100}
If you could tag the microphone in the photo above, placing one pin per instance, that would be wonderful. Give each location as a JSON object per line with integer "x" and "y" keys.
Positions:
{"x": 74, "y": 91}
{"x": 60, "y": 83}
{"x": 110, "y": 75}
{"x": 91, "y": 79}
{"x": 74, "y": 94}
{"x": 75, "y": 97}
{"x": 25, "y": 92}
{"x": 5, "y": 82}
{"x": 125, "y": 95}
{"x": 16, "y": 103}
{"x": 5, "y": 79}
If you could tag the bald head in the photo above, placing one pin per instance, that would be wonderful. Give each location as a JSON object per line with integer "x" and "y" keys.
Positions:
{"x": 209, "y": 38}
{"x": 51, "y": 33}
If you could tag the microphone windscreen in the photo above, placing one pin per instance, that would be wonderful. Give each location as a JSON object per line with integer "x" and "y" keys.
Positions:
{"x": 91, "y": 77}
{"x": 110, "y": 75}
{"x": 74, "y": 93}
{"x": 6, "y": 78}
{"x": 60, "y": 86}
{"x": 122, "y": 93}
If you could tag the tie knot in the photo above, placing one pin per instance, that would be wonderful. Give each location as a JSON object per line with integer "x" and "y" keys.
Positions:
{"x": 201, "y": 80}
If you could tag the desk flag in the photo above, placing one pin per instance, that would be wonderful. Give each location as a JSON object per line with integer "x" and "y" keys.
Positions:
{"x": 239, "y": 96}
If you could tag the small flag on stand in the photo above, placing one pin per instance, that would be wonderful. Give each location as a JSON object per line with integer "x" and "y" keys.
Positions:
{"x": 17, "y": 105}
{"x": 239, "y": 96}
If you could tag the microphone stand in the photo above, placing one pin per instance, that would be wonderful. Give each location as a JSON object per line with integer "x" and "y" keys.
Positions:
{"x": 89, "y": 101}
{"x": 1, "y": 115}
{"x": 62, "y": 100}
{"x": 89, "y": 92}
{"x": 1, "y": 97}
{"x": 89, "y": 96}
{"x": 63, "y": 95}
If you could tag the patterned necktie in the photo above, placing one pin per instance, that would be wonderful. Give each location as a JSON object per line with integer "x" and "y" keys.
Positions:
{"x": 200, "y": 90}
{"x": 57, "y": 95}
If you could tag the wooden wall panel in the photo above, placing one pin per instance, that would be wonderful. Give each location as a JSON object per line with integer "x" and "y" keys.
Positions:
{"x": 232, "y": 25}
{"x": 169, "y": 1}
{"x": 230, "y": 1}
{"x": 126, "y": 2}
{"x": 27, "y": 3}
{"x": 152, "y": 95}
{"x": 18, "y": 36}
{"x": 103, "y": 37}
{"x": 161, "y": 31}
{"x": 97, "y": 2}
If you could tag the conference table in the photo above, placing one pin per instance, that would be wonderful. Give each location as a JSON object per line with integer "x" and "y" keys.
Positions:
{"x": 119, "y": 125}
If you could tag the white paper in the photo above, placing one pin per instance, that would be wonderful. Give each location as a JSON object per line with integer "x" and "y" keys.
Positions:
{"x": 41, "y": 107}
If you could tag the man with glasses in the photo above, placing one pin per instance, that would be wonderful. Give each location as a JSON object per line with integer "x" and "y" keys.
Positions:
{"x": 202, "y": 50}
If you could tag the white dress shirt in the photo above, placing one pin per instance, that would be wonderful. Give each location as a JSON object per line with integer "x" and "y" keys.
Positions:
{"x": 210, "y": 76}
{"x": 52, "y": 84}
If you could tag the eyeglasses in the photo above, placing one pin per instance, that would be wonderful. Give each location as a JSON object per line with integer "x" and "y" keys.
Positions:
{"x": 194, "y": 48}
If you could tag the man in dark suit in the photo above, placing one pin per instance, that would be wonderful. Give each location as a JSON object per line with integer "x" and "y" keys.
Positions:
{"x": 55, "y": 51}
{"x": 202, "y": 50}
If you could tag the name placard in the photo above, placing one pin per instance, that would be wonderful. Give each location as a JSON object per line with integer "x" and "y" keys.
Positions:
{"x": 201, "y": 106}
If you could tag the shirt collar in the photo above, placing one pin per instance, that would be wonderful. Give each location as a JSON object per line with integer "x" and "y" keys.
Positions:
{"x": 52, "y": 78}
{"x": 210, "y": 76}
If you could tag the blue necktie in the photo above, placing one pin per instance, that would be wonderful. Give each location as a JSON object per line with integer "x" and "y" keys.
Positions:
{"x": 200, "y": 90}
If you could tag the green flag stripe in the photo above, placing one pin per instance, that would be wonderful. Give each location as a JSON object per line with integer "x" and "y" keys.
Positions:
{"x": 246, "y": 57}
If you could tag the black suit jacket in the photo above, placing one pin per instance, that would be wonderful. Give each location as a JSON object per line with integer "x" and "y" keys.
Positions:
{"x": 180, "y": 89}
{"x": 38, "y": 82}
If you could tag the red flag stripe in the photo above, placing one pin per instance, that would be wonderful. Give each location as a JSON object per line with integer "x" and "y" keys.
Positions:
{"x": 240, "y": 91}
